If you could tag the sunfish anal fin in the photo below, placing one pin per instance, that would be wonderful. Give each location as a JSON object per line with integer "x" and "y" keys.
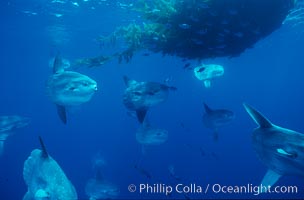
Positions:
{"x": 269, "y": 180}
{"x": 44, "y": 152}
{"x": 262, "y": 121}
{"x": 141, "y": 114}
{"x": 62, "y": 113}
{"x": 207, "y": 83}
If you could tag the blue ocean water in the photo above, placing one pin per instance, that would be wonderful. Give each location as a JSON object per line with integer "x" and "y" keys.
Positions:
{"x": 268, "y": 76}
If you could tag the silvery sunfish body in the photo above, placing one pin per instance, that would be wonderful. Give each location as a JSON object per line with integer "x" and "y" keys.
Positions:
{"x": 148, "y": 135}
{"x": 97, "y": 188}
{"x": 280, "y": 149}
{"x": 69, "y": 88}
{"x": 45, "y": 179}
{"x": 140, "y": 96}
{"x": 215, "y": 118}
{"x": 206, "y": 73}
{"x": 8, "y": 125}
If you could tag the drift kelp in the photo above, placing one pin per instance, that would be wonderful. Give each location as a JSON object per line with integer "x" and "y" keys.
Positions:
{"x": 200, "y": 29}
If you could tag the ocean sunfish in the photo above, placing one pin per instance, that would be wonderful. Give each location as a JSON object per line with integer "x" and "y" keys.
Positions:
{"x": 68, "y": 88}
{"x": 215, "y": 118}
{"x": 148, "y": 135}
{"x": 280, "y": 149}
{"x": 8, "y": 125}
{"x": 45, "y": 179}
{"x": 98, "y": 187}
{"x": 206, "y": 73}
{"x": 140, "y": 96}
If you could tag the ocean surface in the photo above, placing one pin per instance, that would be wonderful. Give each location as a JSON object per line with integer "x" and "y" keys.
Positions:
{"x": 268, "y": 76}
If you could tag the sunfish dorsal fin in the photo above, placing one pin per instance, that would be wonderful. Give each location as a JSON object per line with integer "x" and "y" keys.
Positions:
{"x": 269, "y": 179}
{"x": 128, "y": 81}
{"x": 58, "y": 64}
{"x": 98, "y": 175}
{"x": 262, "y": 121}
{"x": 44, "y": 152}
{"x": 207, "y": 108}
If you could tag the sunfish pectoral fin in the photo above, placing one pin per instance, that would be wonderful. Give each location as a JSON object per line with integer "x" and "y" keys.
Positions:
{"x": 62, "y": 113}
{"x": 284, "y": 153}
{"x": 44, "y": 151}
{"x": 141, "y": 114}
{"x": 269, "y": 180}
{"x": 1, "y": 147}
{"x": 262, "y": 121}
{"x": 207, "y": 83}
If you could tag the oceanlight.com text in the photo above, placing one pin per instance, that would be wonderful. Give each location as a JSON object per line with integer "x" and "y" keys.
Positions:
{"x": 253, "y": 189}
